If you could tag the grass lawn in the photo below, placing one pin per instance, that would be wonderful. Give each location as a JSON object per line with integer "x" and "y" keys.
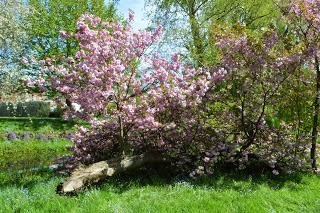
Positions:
{"x": 34, "y": 125}
{"x": 32, "y": 153}
{"x": 222, "y": 193}
{"x": 34, "y": 190}
{"x": 44, "y": 139}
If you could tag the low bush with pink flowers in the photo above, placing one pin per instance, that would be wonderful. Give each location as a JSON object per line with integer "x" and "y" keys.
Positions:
{"x": 137, "y": 102}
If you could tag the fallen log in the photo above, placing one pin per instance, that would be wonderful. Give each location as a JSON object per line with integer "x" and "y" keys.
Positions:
{"x": 87, "y": 175}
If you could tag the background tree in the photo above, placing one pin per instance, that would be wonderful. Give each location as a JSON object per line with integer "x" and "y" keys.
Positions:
{"x": 50, "y": 17}
{"x": 188, "y": 22}
{"x": 13, "y": 37}
{"x": 304, "y": 17}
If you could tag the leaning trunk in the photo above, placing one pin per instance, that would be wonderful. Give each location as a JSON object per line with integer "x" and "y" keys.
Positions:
{"x": 315, "y": 118}
{"x": 88, "y": 175}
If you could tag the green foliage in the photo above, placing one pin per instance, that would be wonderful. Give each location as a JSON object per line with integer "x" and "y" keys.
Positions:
{"x": 295, "y": 106}
{"x": 6, "y": 109}
{"x": 25, "y": 109}
{"x": 188, "y": 23}
{"x": 57, "y": 112}
{"x": 49, "y": 17}
{"x": 252, "y": 13}
{"x": 30, "y": 154}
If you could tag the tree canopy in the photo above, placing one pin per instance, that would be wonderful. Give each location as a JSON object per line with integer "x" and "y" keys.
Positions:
{"x": 50, "y": 17}
{"x": 188, "y": 22}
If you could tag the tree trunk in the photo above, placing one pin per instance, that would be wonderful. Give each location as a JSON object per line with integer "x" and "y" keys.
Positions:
{"x": 315, "y": 118}
{"x": 87, "y": 175}
{"x": 195, "y": 31}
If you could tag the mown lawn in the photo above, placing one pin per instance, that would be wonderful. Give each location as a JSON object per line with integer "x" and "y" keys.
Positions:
{"x": 34, "y": 125}
{"x": 221, "y": 193}
{"x": 153, "y": 191}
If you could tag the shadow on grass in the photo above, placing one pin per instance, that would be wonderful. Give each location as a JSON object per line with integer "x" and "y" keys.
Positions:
{"x": 241, "y": 181}
{"x": 26, "y": 179}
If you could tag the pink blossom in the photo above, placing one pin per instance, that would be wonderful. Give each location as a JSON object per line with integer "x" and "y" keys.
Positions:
{"x": 131, "y": 15}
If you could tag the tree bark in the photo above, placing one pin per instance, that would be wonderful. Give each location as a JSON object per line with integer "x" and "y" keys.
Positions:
{"x": 195, "y": 31}
{"x": 315, "y": 118}
{"x": 88, "y": 175}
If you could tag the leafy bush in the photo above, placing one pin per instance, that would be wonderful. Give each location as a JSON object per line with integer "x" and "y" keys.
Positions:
{"x": 166, "y": 107}
{"x": 57, "y": 112}
{"x": 22, "y": 155}
{"x": 25, "y": 109}
{"x": 6, "y": 109}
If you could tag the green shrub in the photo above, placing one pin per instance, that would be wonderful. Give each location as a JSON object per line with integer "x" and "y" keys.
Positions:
{"x": 17, "y": 155}
{"x": 6, "y": 109}
{"x": 57, "y": 112}
{"x": 25, "y": 109}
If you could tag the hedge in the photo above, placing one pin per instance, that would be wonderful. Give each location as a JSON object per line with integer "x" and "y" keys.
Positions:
{"x": 25, "y": 109}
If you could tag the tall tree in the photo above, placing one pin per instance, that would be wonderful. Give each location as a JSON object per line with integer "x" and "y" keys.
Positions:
{"x": 13, "y": 37}
{"x": 188, "y": 22}
{"x": 305, "y": 19}
{"x": 50, "y": 17}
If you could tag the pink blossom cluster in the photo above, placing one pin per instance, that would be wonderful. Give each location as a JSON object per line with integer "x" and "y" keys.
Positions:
{"x": 242, "y": 50}
{"x": 308, "y": 10}
{"x": 105, "y": 73}
{"x": 258, "y": 67}
{"x": 119, "y": 86}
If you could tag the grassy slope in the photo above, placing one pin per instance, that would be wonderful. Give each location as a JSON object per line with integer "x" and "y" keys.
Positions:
{"x": 20, "y": 155}
{"x": 15, "y": 151}
{"x": 219, "y": 194}
{"x": 34, "y": 125}
{"x": 35, "y": 191}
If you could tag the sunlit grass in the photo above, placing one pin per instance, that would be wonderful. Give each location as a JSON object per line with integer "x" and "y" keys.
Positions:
{"x": 13, "y": 152}
{"x": 20, "y": 158}
{"x": 222, "y": 193}
{"x": 34, "y": 125}
{"x": 26, "y": 190}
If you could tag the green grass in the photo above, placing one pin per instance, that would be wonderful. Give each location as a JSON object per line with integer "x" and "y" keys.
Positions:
{"x": 35, "y": 125}
{"x": 222, "y": 193}
{"x": 25, "y": 154}
{"x": 22, "y": 156}
{"x": 30, "y": 153}
{"x": 24, "y": 190}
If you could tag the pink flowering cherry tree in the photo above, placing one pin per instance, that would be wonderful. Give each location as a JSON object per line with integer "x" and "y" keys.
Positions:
{"x": 258, "y": 66}
{"x": 140, "y": 107}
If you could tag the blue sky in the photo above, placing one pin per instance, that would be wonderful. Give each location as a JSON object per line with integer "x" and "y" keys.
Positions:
{"x": 137, "y": 6}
